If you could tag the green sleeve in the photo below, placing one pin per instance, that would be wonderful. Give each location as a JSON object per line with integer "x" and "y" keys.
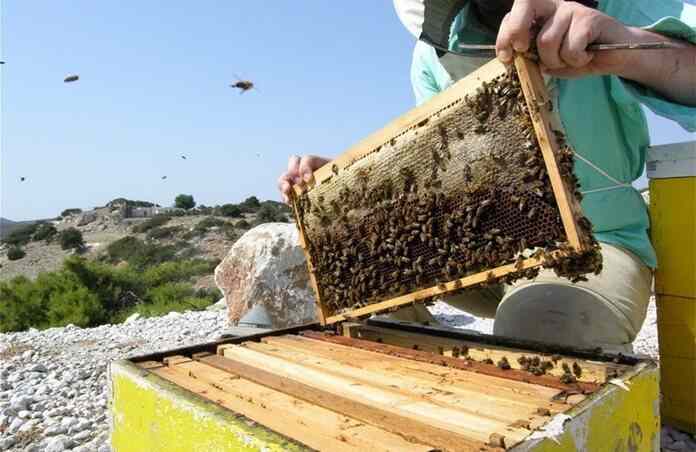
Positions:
{"x": 422, "y": 78}
{"x": 671, "y": 18}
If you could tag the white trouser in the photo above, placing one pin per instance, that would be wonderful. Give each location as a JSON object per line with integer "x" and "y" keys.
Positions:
{"x": 606, "y": 311}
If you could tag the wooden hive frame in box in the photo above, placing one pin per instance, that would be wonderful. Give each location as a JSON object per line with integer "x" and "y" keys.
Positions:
{"x": 399, "y": 141}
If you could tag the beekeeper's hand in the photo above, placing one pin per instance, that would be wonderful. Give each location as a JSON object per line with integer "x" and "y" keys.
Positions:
{"x": 299, "y": 172}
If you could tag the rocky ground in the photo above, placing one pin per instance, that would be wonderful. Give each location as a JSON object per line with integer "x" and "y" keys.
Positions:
{"x": 53, "y": 384}
{"x": 53, "y": 392}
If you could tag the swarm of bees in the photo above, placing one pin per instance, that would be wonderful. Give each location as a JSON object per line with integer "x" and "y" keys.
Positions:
{"x": 383, "y": 237}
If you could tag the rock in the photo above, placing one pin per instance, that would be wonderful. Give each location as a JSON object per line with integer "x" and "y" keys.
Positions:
{"x": 15, "y": 425}
{"x": 81, "y": 436}
{"x": 8, "y": 442}
{"x": 37, "y": 368}
{"x": 58, "y": 444}
{"x": 56, "y": 430}
{"x": 267, "y": 266}
{"x": 132, "y": 318}
{"x": 21, "y": 403}
{"x": 218, "y": 306}
{"x": 86, "y": 218}
{"x": 678, "y": 445}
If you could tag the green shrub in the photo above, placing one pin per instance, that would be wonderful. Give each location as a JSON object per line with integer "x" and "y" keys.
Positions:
{"x": 69, "y": 212}
{"x": 163, "y": 232}
{"x": 125, "y": 248}
{"x": 71, "y": 238}
{"x": 151, "y": 223}
{"x": 22, "y": 235}
{"x": 15, "y": 253}
{"x": 88, "y": 293}
{"x": 168, "y": 272}
{"x": 45, "y": 231}
{"x": 141, "y": 254}
{"x": 184, "y": 202}
{"x": 230, "y": 231}
{"x": 230, "y": 210}
{"x": 79, "y": 307}
{"x": 207, "y": 223}
{"x": 242, "y": 224}
{"x": 21, "y": 305}
{"x": 270, "y": 214}
{"x": 251, "y": 204}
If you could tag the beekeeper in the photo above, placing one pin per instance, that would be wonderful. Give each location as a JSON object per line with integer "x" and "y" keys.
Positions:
{"x": 599, "y": 97}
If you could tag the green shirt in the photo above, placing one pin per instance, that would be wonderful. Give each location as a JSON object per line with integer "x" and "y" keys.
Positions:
{"x": 602, "y": 117}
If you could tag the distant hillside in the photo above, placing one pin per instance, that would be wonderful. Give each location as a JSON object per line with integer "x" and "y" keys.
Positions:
{"x": 7, "y": 226}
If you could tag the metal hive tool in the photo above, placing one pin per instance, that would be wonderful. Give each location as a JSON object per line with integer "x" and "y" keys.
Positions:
{"x": 473, "y": 188}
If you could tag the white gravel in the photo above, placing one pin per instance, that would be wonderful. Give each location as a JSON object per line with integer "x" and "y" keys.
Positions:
{"x": 53, "y": 391}
{"x": 53, "y": 383}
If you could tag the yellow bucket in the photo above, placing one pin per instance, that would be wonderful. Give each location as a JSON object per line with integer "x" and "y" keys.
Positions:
{"x": 672, "y": 173}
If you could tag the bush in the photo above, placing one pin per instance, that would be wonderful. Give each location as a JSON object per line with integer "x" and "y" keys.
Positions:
{"x": 69, "y": 212}
{"x": 184, "y": 202}
{"x": 140, "y": 254}
{"x": 15, "y": 253}
{"x": 231, "y": 210}
{"x": 251, "y": 204}
{"x": 88, "y": 293}
{"x": 71, "y": 238}
{"x": 22, "y": 235}
{"x": 45, "y": 231}
{"x": 163, "y": 232}
{"x": 230, "y": 231}
{"x": 270, "y": 214}
{"x": 177, "y": 271}
{"x": 154, "y": 222}
{"x": 242, "y": 224}
{"x": 207, "y": 223}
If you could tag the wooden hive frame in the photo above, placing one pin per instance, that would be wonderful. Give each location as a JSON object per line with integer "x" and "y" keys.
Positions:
{"x": 381, "y": 388}
{"x": 537, "y": 99}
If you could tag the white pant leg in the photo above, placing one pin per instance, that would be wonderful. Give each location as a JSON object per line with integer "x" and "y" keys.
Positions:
{"x": 606, "y": 311}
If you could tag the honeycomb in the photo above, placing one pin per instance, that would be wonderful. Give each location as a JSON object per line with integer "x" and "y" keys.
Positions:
{"x": 462, "y": 192}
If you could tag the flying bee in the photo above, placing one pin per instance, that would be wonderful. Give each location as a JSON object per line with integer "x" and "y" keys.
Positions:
{"x": 243, "y": 85}
{"x": 334, "y": 168}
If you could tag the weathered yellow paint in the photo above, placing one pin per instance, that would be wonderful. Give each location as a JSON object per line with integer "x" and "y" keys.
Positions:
{"x": 679, "y": 414}
{"x": 679, "y": 375}
{"x": 673, "y": 231}
{"x": 673, "y": 218}
{"x": 612, "y": 420}
{"x": 151, "y": 414}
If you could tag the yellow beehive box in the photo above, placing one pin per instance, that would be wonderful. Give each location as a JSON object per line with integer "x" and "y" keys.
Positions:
{"x": 672, "y": 173}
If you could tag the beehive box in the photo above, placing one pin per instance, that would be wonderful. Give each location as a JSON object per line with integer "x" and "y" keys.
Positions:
{"x": 382, "y": 386}
{"x": 474, "y": 187}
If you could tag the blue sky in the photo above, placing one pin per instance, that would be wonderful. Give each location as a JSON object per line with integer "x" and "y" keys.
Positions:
{"x": 153, "y": 86}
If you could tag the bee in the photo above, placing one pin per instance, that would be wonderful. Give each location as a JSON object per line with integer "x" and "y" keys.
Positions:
{"x": 243, "y": 85}
{"x": 532, "y": 213}
{"x": 334, "y": 169}
{"x": 490, "y": 278}
{"x": 541, "y": 411}
{"x": 577, "y": 370}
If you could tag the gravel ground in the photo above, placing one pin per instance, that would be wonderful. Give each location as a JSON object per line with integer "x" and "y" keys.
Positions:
{"x": 53, "y": 392}
{"x": 53, "y": 384}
